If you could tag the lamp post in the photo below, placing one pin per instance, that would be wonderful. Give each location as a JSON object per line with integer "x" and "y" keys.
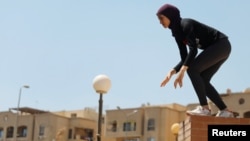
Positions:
{"x": 18, "y": 104}
{"x": 126, "y": 115}
{"x": 175, "y": 130}
{"x": 101, "y": 84}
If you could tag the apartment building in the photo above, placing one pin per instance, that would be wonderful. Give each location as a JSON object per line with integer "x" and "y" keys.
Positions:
{"x": 37, "y": 125}
{"x": 238, "y": 102}
{"x": 146, "y": 123}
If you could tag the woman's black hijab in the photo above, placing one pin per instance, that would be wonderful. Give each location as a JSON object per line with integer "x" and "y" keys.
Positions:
{"x": 173, "y": 14}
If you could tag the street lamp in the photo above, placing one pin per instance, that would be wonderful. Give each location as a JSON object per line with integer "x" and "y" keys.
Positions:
{"x": 126, "y": 115}
{"x": 18, "y": 104}
{"x": 101, "y": 84}
{"x": 175, "y": 130}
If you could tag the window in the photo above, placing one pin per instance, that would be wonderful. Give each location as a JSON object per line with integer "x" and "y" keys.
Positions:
{"x": 70, "y": 134}
{"x": 129, "y": 126}
{"x": 41, "y": 130}
{"x": 85, "y": 134}
{"x": 241, "y": 101}
{"x": 114, "y": 126}
{"x": 73, "y": 115}
{"x": 151, "y": 124}
{"x": 151, "y": 139}
{"x": 89, "y": 134}
{"x": 22, "y": 131}
{"x": 1, "y": 132}
{"x": 247, "y": 115}
{"x": 10, "y": 131}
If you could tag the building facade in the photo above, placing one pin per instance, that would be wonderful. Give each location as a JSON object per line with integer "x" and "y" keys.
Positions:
{"x": 148, "y": 123}
{"x": 237, "y": 102}
{"x": 36, "y": 125}
{"x": 145, "y": 123}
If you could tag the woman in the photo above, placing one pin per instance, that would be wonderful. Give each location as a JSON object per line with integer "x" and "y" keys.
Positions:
{"x": 191, "y": 35}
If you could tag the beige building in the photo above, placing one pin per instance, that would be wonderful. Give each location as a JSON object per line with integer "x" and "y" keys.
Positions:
{"x": 37, "y": 125}
{"x": 238, "y": 102}
{"x": 147, "y": 123}
{"x": 153, "y": 123}
{"x": 137, "y": 124}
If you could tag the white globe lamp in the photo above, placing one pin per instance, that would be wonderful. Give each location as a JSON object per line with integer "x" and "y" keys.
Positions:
{"x": 101, "y": 84}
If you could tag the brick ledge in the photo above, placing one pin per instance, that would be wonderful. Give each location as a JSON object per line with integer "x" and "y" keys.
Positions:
{"x": 194, "y": 128}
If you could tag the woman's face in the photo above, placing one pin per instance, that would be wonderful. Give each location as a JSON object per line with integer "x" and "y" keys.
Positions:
{"x": 164, "y": 21}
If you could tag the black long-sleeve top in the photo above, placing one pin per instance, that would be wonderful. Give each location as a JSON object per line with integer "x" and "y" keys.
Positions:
{"x": 195, "y": 35}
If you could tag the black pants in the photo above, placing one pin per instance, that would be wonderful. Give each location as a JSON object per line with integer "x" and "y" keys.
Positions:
{"x": 202, "y": 69}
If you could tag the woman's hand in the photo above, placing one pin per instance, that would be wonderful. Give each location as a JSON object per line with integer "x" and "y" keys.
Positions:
{"x": 168, "y": 77}
{"x": 179, "y": 78}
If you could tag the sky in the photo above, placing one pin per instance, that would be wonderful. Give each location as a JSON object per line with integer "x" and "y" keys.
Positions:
{"x": 57, "y": 47}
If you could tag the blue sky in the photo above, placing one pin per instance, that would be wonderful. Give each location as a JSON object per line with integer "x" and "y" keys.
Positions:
{"x": 57, "y": 47}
